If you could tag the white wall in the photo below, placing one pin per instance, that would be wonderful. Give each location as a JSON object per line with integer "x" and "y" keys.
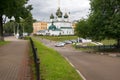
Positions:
{"x": 67, "y": 32}
{"x": 54, "y": 33}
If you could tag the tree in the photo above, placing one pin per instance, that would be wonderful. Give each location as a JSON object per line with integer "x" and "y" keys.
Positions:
{"x": 82, "y": 28}
{"x": 105, "y": 19}
{"x": 27, "y": 24}
{"x": 9, "y": 27}
{"x": 13, "y": 8}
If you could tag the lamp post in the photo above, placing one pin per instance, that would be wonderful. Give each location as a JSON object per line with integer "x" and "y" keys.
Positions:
{"x": 14, "y": 28}
{"x": 17, "y": 35}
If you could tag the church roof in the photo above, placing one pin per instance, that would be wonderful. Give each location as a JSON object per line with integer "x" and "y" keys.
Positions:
{"x": 52, "y": 27}
{"x": 66, "y": 15}
{"x": 51, "y": 16}
{"x": 66, "y": 28}
{"x": 59, "y": 13}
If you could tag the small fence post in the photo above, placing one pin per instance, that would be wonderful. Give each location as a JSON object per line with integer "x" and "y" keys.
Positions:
{"x": 38, "y": 70}
{"x": 36, "y": 60}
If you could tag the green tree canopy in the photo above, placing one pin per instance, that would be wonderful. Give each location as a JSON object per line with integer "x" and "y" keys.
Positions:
{"x": 27, "y": 24}
{"x": 105, "y": 19}
{"x": 82, "y": 28}
{"x": 13, "y": 8}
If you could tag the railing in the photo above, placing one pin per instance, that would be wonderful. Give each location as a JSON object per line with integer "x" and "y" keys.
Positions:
{"x": 36, "y": 60}
{"x": 97, "y": 47}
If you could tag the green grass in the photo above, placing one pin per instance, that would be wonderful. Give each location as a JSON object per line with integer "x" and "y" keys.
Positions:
{"x": 108, "y": 41}
{"x": 53, "y": 66}
{"x": 105, "y": 42}
{"x": 59, "y": 38}
{"x": 3, "y": 42}
{"x": 89, "y": 44}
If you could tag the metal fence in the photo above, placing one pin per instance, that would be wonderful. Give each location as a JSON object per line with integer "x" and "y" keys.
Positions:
{"x": 36, "y": 60}
{"x": 97, "y": 47}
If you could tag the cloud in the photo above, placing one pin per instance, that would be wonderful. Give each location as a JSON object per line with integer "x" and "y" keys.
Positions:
{"x": 43, "y": 8}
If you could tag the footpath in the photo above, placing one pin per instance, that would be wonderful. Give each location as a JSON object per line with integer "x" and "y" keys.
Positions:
{"x": 14, "y": 60}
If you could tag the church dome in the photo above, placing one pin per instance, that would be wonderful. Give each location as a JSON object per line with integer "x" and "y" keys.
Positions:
{"x": 59, "y": 13}
{"x": 66, "y": 15}
{"x": 52, "y": 27}
{"x": 51, "y": 16}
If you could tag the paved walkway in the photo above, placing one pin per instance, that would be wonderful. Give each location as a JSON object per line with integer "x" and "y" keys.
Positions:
{"x": 14, "y": 60}
{"x": 92, "y": 66}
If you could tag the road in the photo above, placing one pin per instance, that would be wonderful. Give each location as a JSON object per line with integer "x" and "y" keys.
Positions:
{"x": 92, "y": 66}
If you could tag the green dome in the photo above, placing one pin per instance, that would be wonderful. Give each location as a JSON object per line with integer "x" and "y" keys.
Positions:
{"x": 52, "y": 27}
{"x": 66, "y": 15}
{"x": 59, "y": 13}
{"x": 51, "y": 16}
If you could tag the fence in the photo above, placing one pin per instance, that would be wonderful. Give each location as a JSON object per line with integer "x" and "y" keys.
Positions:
{"x": 36, "y": 60}
{"x": 97, "y": 47}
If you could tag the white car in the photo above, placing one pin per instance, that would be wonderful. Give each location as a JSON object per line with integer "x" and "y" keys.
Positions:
{"x": 68, "y": 42}
{"x": 60, "y": 44}
{"x": 25, "y": 34}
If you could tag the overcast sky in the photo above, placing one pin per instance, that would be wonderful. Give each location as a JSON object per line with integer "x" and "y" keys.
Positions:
{"x": 43, "y": 8}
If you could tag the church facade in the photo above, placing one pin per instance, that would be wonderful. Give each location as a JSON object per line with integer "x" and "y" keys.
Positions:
{"x": 59, "y": 24}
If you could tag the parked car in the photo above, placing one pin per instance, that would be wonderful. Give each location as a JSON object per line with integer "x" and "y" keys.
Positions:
{"x": 73, "y": 41}
{"x": 60, "y": 44}
{"x": 68, "y": 42}
{"x": 25, "y": 34}
{"x": 84, "y": 40}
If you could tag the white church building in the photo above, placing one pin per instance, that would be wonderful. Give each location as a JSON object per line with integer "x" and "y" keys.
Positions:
{"x": 59, "y": 24}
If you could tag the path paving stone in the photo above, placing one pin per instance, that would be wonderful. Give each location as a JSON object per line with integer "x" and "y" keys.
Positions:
{"x": 14, "y": 60}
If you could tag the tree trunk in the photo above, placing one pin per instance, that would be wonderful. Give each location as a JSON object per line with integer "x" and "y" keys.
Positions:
{"x": 1, "y": 28}
{"x": 118, "y": 43}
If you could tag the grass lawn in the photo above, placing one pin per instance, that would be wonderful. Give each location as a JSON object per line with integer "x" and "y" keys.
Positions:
{"x": 3, "y": 42}
{"x": 53, "y": 66}
{"x": 105, "y": 42}
{"x": 108, "y": 42}
{"x": 59, "y": 38}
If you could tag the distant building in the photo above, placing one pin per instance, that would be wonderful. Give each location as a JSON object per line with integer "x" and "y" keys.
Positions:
{"x": 37, "y": 26}
{"x": 60, "y": 24}
{"x": 74, "y": 23}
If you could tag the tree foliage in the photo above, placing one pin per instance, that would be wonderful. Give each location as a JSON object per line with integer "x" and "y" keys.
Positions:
{"x": 27, "y": 24}
{"x": 81, "y": 28}
{"x": 105, "y": 16}
{"x": 13, "y": 8}
{"x": 104, "y": 20}
{"x": 9, "y": 27}
{"x": 24, "y": 26}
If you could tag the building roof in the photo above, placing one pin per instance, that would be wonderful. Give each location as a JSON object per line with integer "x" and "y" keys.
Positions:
{"x": 51, "y": 16}
{"x": 66, "y": 28}
{"x": 59, "y": 13}
{"x": 66, "y": 15}
{"x": 52, "y": 27}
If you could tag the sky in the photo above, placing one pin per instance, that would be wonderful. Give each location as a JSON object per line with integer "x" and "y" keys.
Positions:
{"x": 42, "y": 9}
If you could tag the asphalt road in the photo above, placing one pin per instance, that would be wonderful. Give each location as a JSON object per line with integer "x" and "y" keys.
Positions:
{"x": 92, "y": 66}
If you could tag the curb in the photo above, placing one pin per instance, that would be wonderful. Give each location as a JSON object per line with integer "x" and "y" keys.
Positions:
{"x": 75, "y": 68}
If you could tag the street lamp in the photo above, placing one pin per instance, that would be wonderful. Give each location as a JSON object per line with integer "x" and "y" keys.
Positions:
{"x": 17, "y": 35}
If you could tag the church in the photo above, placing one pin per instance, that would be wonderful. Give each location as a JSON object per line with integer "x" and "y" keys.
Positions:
{"x": 59, "y": 24}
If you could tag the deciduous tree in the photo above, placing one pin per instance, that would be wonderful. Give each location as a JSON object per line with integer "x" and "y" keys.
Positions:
{"x": 105, "y": 19}
{"x": 13, "y": 8}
